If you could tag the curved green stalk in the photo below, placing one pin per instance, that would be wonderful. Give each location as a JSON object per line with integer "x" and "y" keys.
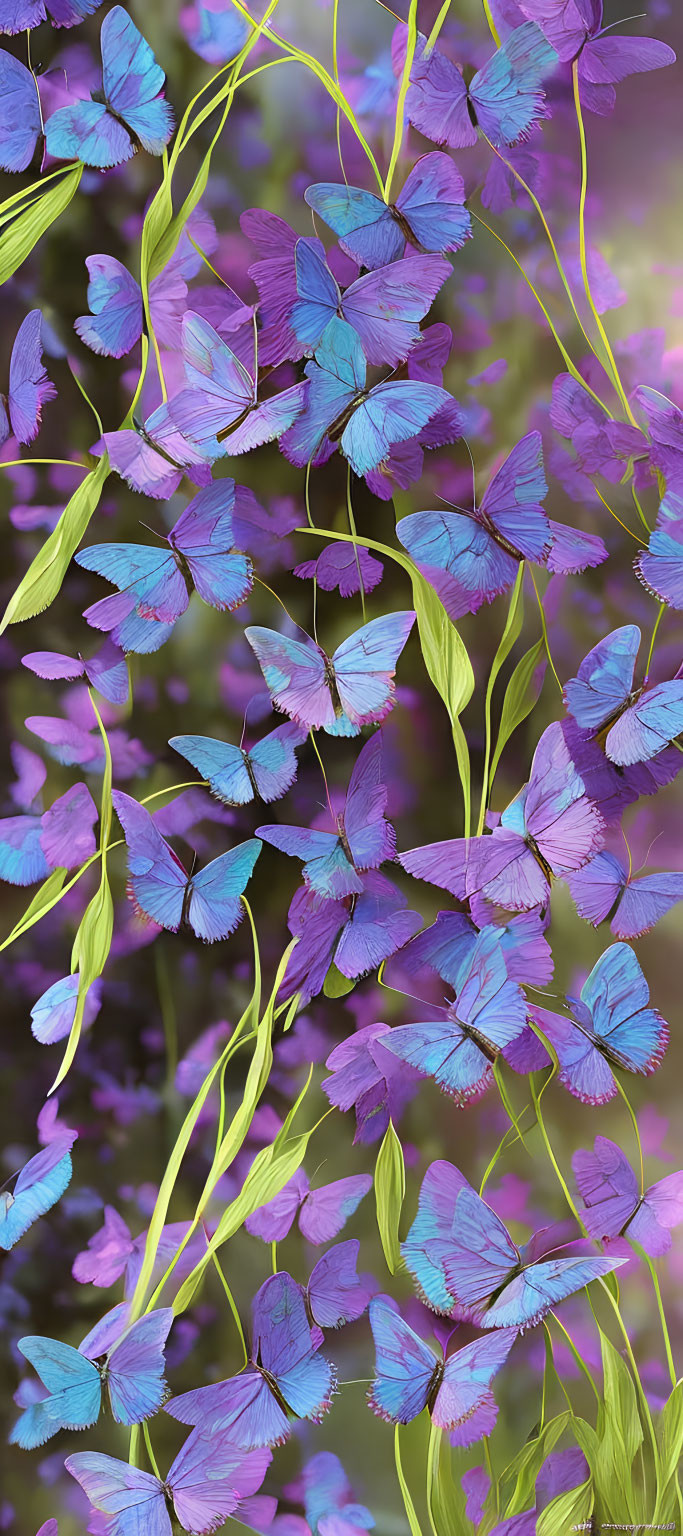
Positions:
{"x": 401, "y": 99}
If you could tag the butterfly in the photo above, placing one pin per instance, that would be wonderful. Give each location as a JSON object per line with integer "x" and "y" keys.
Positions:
{"x": 235, "y": 775}
{"x": 550, "y": 829}
{"x": 153, "y": 456}
{"x": 286, "y": 1376}
{"x": 29, "y": 387}
{"x": 342, "y": 692}
{"x": 339, "y": 410}
{"x": 127, "y": 113}
{"x": 336, "y": 1293}
{"x": 370, "y": 1079}
{"x": 504, "y": 99}
{"x": 208, "y": 902}
{"x": 23, "y": 15}
{"x": 635, "y": 722}
{"x": 660, "y": 566}
{"x": 116, "y": 319}
{"x": 665, "y": 431}
{"x": 409, "y": 1377}
{"x": 460, "y": 1048}
{"x": 614, "y": 1205}
{"x": 20, "y": 120}
{"x": 383, "y": 307}
{"x": 362, "y": 840}
{"x": 320, "y": 1213}
{"x": 207, "y": 1481}
{"x": 355, "y": 934}
{"x": 38, "y": 1186}
{"x": 155, "y": 585}
{"x": 428, "y": 214}
{"x": 106, "y": 670}
{"x": 30, "y": 846}
{"x": 574, "y": 28}
{"x": 463, "y": 1259}
{"x": 446, "y": 947}
{"x": 219, "y": 411}
{"x": 328, "y": 1499}
{"x": 611, "y": 1026}
{"x": 215, "y": 31}
{"x": 132, "y": 1371}
{"x": 469, "y": 557}
{"x": 345, "y": 568}
{"x": 634, "y": 903}
{"x": 53, "y": 1013}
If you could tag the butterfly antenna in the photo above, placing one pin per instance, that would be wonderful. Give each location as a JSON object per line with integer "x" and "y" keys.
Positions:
{"x": 249, "y": 703}
{"x": 316, "y": 749}
{"x": 389, "y": 11}
{"x": 155, "y": 534}
{"x": 35, "y": 81}
{"x": 399, "y": 991}
{"x": 639, "y": 16}
{"x": 474, "y": 473}
{"x": 647, "y": 856}
{"x": 628, "y": 851}
{"x": 278, "y": 599}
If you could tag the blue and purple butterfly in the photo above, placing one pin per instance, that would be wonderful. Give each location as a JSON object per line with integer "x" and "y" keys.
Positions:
{"x": 340, "y": 411}
{"x": 660, "y": 566}
{"x": 384, "y": 307}
{"x": 127, "y": 113}
{"x": 335, "y": 1293}
{"x": 617, "y": 1206}
{"x": 23, "y": 15}
{"x": 365, "y": 1076}
{"x": 21, "y": 123}
{"x": 53, "y": 1013}
{"x": 635, "y": 722}
{"x": 464, "y": 1262}
{"x": 106, "y": 671}
{"x": 206, "y": 1483}
{"x": 456, "y": 1389}
{"x": 237, "y": 775}
{"x": 155, "y": 585}
{"x": 125, "y": 1362}
{"x": 116, "y": 320}
{"x": 611, "y": 1028}
{"x": 605, "y": 888}
{"x": 29, "y": 387}
{"x": 329, "y": 1503}
{"x": 153, "y": 456}
{"x": 286, "y": 1377}
{"x": 459, "y": 1047}
{"x": 31, "y": 846}
{"x": 502, "y": 101}
{"x": 447, "y": 945}
{"x": 575, "y": 30}
{"x": 548, "y": 831}
{"x": 428, "y": 215}
{"x": 354, "y": 934}
{"x": 362, "y": 838}
{"x": 207, "y": 902}
{"x": 35, "y": 1189}
{"x": 321, "y": 1214}
{"x": 219, "y": 411}
{"x": 338, "y": 693}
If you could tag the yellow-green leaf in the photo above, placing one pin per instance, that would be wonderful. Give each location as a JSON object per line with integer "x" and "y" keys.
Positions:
{"x": 44, "y": 577}
{"x": 390, "y": 1188}
{"x": 30, "y": 225}
{"x": 335, "y": 984}
{"x": 567, "y": 1511}
{"x": 520, "y": 696}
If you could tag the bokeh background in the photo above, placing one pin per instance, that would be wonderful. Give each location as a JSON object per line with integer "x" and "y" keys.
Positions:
{"x": 124, "y": 1093}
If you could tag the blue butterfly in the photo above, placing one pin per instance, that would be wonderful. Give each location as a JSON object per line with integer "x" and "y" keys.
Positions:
{"x": 38, "y": 1187}
{"x": 209, "y": 902}
{"x": 637, "y": 722}
{"x": 504, "y": 99}
{"x": 383, "y": 307}
{"x": 20, "y": 121}
{"x": 338, "y": 693}
{"x": 409, "y": 1377}
{"x": 460, "y": 1048}
{"x": 132, "y": 1371}
{"x": 428, "y": 214}
{"x": 365, "y": 423}
{"x": 128, "y": 111}
{"x": 464, "y": 1261}
{"x": 235, "y": 775}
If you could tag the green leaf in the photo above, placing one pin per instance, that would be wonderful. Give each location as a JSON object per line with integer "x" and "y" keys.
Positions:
{"x": 567, "y": 1511}
{"x": 411, "y": 1513}
{"x": 620, "y": 1434}
{"x": 450, "y": 669}
{"x": 528, "y": 1462}
{"x": 337, "y": 985}
{"x": 671, "y": 1443}
{"x": 30, "y": 225}
{"x": 447, "y": 1503}
{"x": 390, "y": 1189}
{"x": 43, "y": 899}
{"x": 520, "y": 696}
{"x": 44, "y": 577}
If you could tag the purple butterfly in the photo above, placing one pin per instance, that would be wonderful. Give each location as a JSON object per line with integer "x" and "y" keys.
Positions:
{"x": 409, "y": 1377}
{"x": 116, "y": 318}
{"x": 218, "y": 412}
{"x": 320, "y": 1213}
{"x": 286, "y": 1376}
{"x": 603, "y": 446}
{"x": 338, "y": 693}
{"x": 362, "y": 839}
{"x": 24, "y": 15}
{"x": 153, "y": 457}
{"x": 355, "y": 934}
{"x": 344, "y": 568}
{"x": 660, "y": 566}
{"x": 635, "y": 722}
{"x": 464, "y": 1261}
{"x": 155, "y": 584}
{"x": 504, "y": 99}
{"x": 106, "y": 670}
{"x": 370, "y": 1079}
{"x": 611, "y": 1028}
{"x": 428, "y": 214}
{"x": 206, "y": 1482}
{"x": 665, "y": 430}
{"x": 549, "y": 830}
{"x": 20, "y": 120}
{"x": 53, "y": 1013}
{"x": 614, "y": 1205}
{"x": 447, "y": 945}
{"x": 329, "y": 1502}
{"x": 36, "y": 1188}
{"x": 236, "y": 775}
{"x": 336, "y": 1293}
{"x": 275, "y": 277}
{"x": 604, "y": 888}
{"x": 575, "y": 30}
{"x": 29, "y": 387}
{"x": 30, "y": 846}
{"x": 459, "y": 1047}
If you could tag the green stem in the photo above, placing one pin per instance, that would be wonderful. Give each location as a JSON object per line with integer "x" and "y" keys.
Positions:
{"x": 644, "y": 1405}
{"x": 150, "y": 1452}
{"x": 411, "y": 1515}
{"x": 578, "y": 1357}
{"x": 233, "y": 1307}
{"x": 544, "y": 627}
{"x": 662, "y": 1315}
{"x": 432, "y": 1470}
{"x": 401, "y": 99}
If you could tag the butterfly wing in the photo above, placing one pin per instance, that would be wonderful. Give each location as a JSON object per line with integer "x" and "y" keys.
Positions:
{"x": 391, "y": 413}
{"x": 333, "y": 381}
{"x": 132, "y": 81}
{"x": 507, "y": 93}
{"x": 72, "y": 1381}
{"x": 41, "y": 1183}
{"x": 273, "y": 760}
{"x": 650, "y": 725}
{"x": 431, "y": 200}
{"x": 362, "y": 223}
{"x": 616, "y": 995}
{"x": 597, "y": 888}
{"x": 215, "y": 905}
{"x": 527, "y": 1298}
{"x": 608, "y": 1187}
{"x": 584, "y": 1072}
{"x": 364, "y": 667}
{"x": 327, "y": 869}
{"x": 20, "y": 124}
{"x": 466, "y": 1379}
{"x": 566, "y": 826}
{"x": 243, "y": 1406}
{"x": 565, "y": 23}
{"x": 221, "y": 763}
{"x": 29, "y": 386}
{"x": 210, "y": 1477}
{"x": 204, "y": 536}
{"x": 108, "y": 673}
{"x": 644, "y": 901}
{"x": 115, "y": 300}
{"x": 385, "y": 306}
{"x": 480, "y": 1252}
{"x": 132, "y": 1501}
{"x": 22, "y": 859}
{"x": 459, "y": 557}
{"x": 295, "y": 673}
{"x": 285, "y": 1346}
{"x": 336, "y": 1293}
{"x": 513, "y": 499}
{"x": 325, "y": 1211}
{"x": 428, "y": 1240}
{"x": 266, "y": 422}
{"x": 660, "y": 1210}
{"x": 487, "y": 1001}
{"x": 318, "y": 295}
{"x": 150, "y": 577}
{"x": 272, "y": 1221}
{"x": 442, "y": 1050}
{"x": 219, "y": 389}
{"x": 660, "y": 566}
{"x": 604, "y": 679}
{"x": 157, "y": 880}
{"x": 436, "y": 102}
{"x": 370, "y": 837}
{"x": 135, "y": 1369}
{"x": 404, "y": 1367}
